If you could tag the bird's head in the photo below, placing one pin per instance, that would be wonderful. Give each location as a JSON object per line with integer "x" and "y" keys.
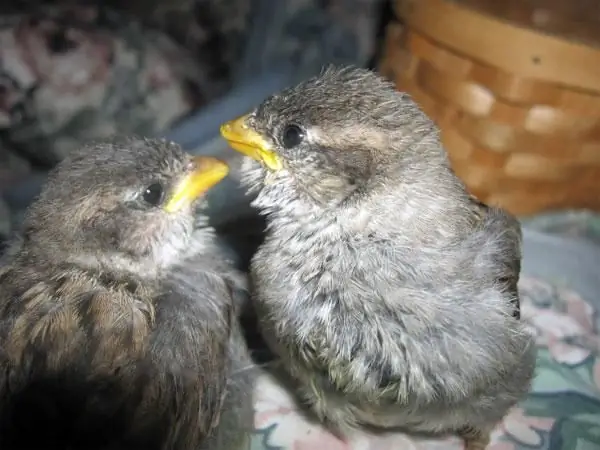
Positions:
{"x": 332, "y": 137}
{"x": 130, "y": 202}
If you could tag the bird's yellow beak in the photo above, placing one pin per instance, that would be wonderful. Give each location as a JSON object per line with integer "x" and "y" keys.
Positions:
{"x": 247, "y": 141}
{"x": 207, "y": 173}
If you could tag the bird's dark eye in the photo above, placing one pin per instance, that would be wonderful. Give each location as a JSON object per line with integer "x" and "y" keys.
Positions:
{"x": 292, "y": 136}
{"x": 153, "y": 195}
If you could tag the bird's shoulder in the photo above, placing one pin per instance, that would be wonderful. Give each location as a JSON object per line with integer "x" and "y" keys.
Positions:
{"x": 57, "y": 309}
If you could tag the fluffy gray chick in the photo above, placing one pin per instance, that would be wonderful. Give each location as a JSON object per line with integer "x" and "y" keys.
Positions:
{"x": 389, "y": 293}
{"x": 118, "y": 313}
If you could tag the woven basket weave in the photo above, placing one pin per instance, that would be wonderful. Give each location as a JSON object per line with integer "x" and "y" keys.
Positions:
{"x": 516, "y": 91}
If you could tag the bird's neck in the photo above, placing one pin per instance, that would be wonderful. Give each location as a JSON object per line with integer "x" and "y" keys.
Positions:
{"x": 418, "y": 212}
{"x": 115, "y": 264}
{"x": 148, "y": 267}
{"x": 35, "y": 267}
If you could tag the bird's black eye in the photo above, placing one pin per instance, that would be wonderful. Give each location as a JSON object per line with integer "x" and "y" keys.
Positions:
{"x": 153, "y": 195}
{"x": 292, "y": 136}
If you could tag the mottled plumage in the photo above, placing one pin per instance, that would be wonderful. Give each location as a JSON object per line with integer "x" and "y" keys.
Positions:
{"x": 389, "y": 292}
{"x": 119, "y": 316}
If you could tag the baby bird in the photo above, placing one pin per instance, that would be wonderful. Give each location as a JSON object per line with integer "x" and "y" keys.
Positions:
{"x": 388, "y": 292}
{"x": 118, "y": 314}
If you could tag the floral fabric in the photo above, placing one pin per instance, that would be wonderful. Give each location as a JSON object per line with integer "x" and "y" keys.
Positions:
{"x": 69, "y": 75}
{"x": 562, "y": 410}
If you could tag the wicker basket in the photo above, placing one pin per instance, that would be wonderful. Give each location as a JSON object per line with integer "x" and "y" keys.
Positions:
{"x": 516, "y": 91}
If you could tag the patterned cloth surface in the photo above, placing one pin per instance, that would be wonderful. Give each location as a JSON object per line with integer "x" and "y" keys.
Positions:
{"x": 562, "y": 410}
{"x": 72, "y": 74}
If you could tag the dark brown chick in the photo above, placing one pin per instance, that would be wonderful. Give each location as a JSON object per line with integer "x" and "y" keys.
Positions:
{"x": 387, "y": 291}
{"x": 118, "y": 321}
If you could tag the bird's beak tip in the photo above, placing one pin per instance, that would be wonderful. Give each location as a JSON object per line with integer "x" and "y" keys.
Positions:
{"x": 207, "y": 172}
{"x": 245, "y": 140}
{"x": 225, "y": 129}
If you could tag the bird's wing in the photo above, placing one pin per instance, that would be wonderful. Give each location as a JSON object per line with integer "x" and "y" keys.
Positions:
{"x": 507, "y": 230}
{"x": 191, "y": 343}
{"x": 514, "y": 263}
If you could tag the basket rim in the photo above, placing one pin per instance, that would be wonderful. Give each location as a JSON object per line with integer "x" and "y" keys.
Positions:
{"x": 499, "y": 43}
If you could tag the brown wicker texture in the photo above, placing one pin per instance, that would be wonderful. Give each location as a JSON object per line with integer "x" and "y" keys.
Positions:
{"x": 519, "y": 109}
